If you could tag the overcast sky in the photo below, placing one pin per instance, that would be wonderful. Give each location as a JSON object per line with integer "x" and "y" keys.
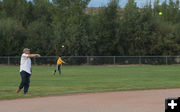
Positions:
{"x": 98, "y": 3}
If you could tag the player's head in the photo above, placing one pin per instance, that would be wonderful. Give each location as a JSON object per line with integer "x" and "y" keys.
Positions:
{"x": 26, "y": 51}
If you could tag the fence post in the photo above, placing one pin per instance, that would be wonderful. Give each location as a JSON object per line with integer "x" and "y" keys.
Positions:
{"x": 87, "y": 60}
{"x": 166, "y": 60}
{"x": 114, "y": 60}
{"x": 140, "y": 60}
{"x": 8, "y": 60}
{"x": 34, "y": 59}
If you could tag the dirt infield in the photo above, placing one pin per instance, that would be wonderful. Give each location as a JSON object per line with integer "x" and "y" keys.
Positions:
{"x": 129, "y": 101}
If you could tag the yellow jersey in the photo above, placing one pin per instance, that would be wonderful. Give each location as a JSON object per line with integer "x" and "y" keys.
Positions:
{"x": 60, "y": 61}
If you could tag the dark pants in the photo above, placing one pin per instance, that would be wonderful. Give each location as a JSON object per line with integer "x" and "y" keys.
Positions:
{"x": 58, "y": 67}
{"x": 25, "y": 81}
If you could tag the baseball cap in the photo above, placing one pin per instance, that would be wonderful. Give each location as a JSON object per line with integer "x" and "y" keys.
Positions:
{"x": 26, "y": 49}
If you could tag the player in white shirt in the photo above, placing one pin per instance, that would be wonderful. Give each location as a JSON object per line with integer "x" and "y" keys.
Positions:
{"x": 25, "y": 69}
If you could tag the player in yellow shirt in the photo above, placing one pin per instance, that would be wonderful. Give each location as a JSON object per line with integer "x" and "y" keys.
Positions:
{"x": 59, "y": 65}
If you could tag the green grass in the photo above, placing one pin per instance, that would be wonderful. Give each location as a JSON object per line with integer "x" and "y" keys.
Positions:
{"x": 81, "y": 79}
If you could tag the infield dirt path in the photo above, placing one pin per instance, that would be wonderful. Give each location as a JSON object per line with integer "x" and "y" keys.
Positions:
{"x": 129, "y": 101}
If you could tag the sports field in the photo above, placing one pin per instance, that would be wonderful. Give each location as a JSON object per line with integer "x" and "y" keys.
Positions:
{"x": 81, "y": 79}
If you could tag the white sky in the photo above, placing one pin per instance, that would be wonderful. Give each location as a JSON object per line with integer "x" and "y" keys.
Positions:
{"x": 98, "y": 3}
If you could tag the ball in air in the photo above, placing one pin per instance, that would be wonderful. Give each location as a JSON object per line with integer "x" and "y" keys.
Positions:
{"x": 62, "y": 46}
{"x": 160, "y": 13}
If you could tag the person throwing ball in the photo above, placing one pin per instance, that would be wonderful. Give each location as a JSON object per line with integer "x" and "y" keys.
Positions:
{"x": 25, "y": 70}
{"x": 59, "y": 65}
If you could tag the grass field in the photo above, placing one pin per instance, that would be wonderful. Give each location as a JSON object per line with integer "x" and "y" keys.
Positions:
{"x": 81, "y": 79}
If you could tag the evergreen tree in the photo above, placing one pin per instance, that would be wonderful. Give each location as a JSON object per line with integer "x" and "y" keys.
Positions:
{"x": 70, "y": 29}
{"x": 45, "y": 26}
{"x": 130, "y": 27}
{"x": 106, "y": 29}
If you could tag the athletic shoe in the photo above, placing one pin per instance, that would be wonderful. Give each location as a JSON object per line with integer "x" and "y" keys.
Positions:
{"x": 26, "y": 93}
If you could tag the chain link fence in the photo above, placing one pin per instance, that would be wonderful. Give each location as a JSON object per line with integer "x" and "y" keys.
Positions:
{"x": 96, "y": 60}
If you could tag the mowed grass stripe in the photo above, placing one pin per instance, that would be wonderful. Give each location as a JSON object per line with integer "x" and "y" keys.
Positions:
{"x": 81, "y": 79}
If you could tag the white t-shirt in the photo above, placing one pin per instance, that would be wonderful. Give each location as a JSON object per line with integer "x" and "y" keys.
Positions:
{"x": 25, "y": 64}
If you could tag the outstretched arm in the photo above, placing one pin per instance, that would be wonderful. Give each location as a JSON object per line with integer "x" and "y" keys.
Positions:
{"x": 63, "y": 62}
{"x": 33, "y": 55}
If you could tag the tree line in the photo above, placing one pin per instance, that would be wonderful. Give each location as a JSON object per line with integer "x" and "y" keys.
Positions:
{"x": 45, "y": 26}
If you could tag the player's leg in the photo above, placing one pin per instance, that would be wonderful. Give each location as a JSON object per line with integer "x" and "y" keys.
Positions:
{"x": 26, "y": 86}
{"x": 59, "y": 69}
{"x": 55, "y": 70}
{"x": 23, "y": 80}
{"x": 54, "y": 73}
